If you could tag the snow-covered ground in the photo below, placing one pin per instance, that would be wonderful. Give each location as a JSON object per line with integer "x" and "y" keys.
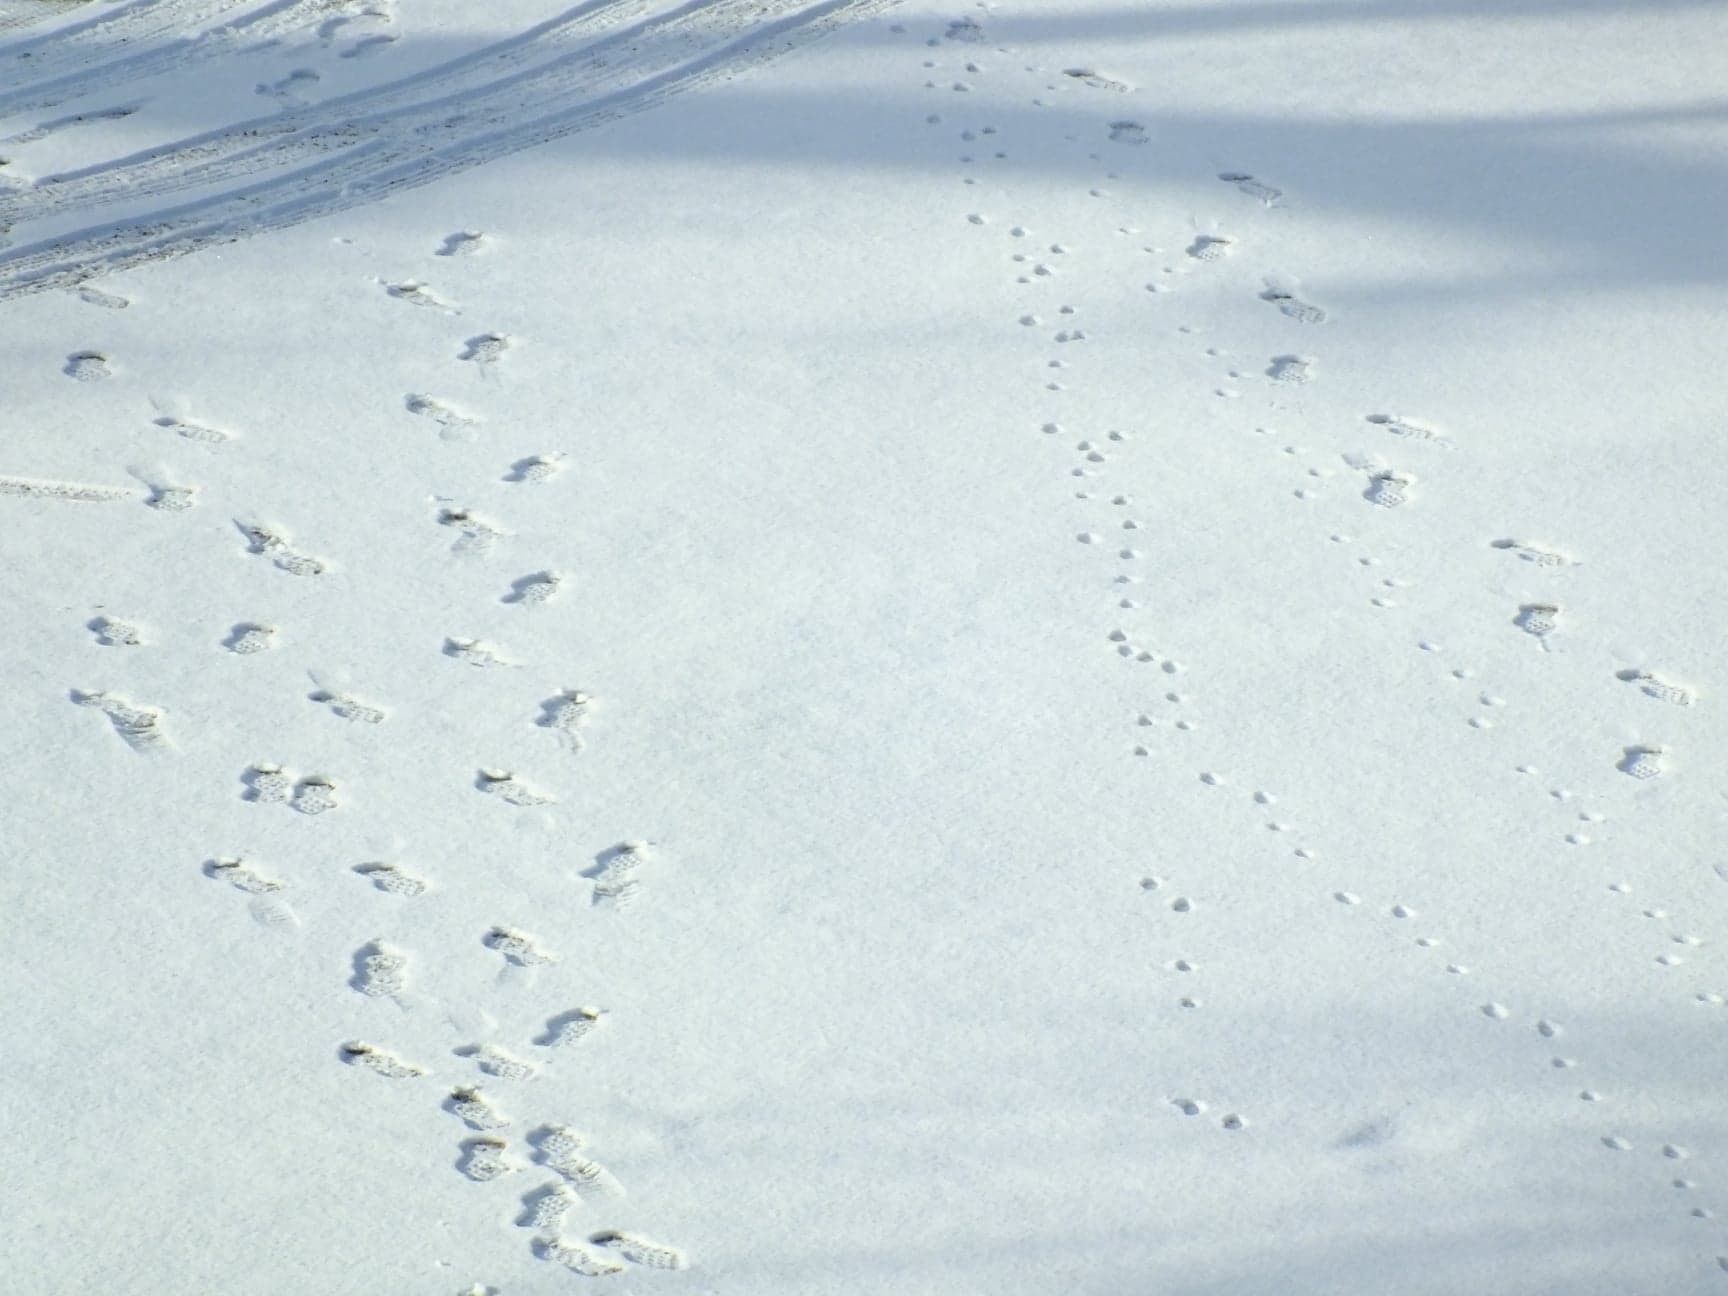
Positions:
{"x": 825, "y": 646}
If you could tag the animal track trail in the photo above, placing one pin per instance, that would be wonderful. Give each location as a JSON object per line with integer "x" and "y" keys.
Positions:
{"x": 139, "y": 727}
{"x": 391, "y": 879}
{"x": 380, "y": 1063}
{"x": 452, "y": 426}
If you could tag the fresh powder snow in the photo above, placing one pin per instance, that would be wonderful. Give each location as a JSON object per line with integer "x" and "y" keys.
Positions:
{"x": 804, "y": 647}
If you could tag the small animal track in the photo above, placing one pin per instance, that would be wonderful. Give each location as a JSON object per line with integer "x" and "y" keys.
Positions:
{"x": 453, "y": 426}
{"x": 248, "y": 637}
{"x": 349, "y": 708}
{"x": 614, "y": 874}
{"x": 87, "y": 366}
{"x": 378, "y": 1062}
{"x": 380, "y": 971}
{"x": 139, "y": 727}
{"x": 540, "y": 587}
{"x": 640, "y": 1251}
{"x": 571, "y": 1027}
{"x": 484, "y": 1159}
{"x": 516, "y": 947}
{"x": 507, "y": 787}
{"x": 391, "y": 879}
{"x": 112, "y": 632}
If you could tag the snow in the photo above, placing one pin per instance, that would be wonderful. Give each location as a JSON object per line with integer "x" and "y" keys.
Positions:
{"x": 795, "y": 653}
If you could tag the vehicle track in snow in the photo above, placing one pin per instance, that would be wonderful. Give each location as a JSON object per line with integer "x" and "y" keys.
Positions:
{"x": 76, "y": 62}
{"x": 634, "y": 69}
{"x": 280, "y": 139}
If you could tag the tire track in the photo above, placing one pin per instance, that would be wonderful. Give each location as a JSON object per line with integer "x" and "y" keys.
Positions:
{"x": 178, "y": 41}
{"x": 36, "y": 12}
{"x": 696, "y": 45}
{"x": 305, "y": 133}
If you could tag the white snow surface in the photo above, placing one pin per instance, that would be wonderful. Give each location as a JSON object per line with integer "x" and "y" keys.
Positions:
{"x": 825, "y": 646}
